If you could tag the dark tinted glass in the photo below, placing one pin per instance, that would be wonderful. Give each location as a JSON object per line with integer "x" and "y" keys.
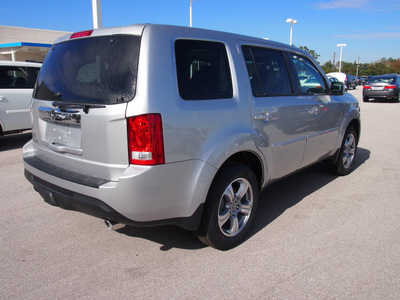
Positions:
{"x": 93, "y": 70}
{"x": 267, "y": 71}
{"x": 18, "y": 77}
{"x": 203, "y": 70}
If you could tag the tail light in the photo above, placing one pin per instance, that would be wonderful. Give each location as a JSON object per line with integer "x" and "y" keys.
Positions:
{"x": 146, "y": 140}
{"x": 367, "y": 87}
{"x": 388, "y": 87}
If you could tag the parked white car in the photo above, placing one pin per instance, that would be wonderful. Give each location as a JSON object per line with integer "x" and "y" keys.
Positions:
{"x": 17, "y": 80}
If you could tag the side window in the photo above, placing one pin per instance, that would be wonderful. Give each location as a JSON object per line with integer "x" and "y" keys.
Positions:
{"x": 310, "y": 80}
{"x": 17, "y": 77}
{"x": 203, "y": 70}
{"x": 267, "y": 71}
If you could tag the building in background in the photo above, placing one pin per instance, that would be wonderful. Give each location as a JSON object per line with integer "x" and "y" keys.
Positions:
{"x": 26, "y": 44}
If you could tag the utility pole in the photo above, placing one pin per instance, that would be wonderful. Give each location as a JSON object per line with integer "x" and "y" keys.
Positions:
{"x": 334, "y": 60}
{"x": 358, "y": 64}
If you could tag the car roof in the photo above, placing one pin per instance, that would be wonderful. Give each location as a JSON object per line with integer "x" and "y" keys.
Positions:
{"x": 19, "y": 63}
{"x": 138, "y": 29}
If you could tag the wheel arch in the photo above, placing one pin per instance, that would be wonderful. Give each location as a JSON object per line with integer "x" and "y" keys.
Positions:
{"x": 248, "y": 158}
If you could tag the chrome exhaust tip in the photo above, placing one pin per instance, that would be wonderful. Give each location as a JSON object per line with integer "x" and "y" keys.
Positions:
{"x": 113, "y": 225}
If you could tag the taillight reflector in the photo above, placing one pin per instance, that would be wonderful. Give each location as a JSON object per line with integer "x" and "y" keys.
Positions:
{"x": 390, "y": 87}
{"x": 81, "y": 34}
{"x": 146, "y": 140}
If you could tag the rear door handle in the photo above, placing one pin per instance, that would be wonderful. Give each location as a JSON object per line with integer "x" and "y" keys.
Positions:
{"x": 263, "y": 116}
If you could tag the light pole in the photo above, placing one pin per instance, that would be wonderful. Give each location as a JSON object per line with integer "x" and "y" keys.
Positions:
{"x": 291, "y": 21}
{"x": 191, "y": 13}
{"x": 97, "y": 14}
{"x": 340, "y": 59}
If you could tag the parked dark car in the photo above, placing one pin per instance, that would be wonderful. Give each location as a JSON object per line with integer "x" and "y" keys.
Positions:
{"x": 382, "y": 87}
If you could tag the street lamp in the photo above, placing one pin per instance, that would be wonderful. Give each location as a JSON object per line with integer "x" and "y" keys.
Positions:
{"x": 291, "y": 21}
{"x": 191, "y": 13}
{"x": 340, "y": 59}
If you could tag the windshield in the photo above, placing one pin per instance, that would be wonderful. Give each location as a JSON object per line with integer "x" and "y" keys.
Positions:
{"x": 93, "y": 70}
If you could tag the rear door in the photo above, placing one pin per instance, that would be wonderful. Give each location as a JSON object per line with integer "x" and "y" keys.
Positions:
{"x": 279, "y": 115}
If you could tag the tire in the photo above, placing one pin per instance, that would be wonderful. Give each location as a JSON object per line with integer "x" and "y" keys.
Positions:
{"x": 230, "y": 208}
{"x": 347, "y": 154}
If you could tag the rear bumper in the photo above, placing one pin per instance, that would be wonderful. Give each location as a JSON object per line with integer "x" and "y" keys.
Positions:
{"x": 169, "y": 194}
{"x": 380, "y": 94}
{"x": 70, "y": 200}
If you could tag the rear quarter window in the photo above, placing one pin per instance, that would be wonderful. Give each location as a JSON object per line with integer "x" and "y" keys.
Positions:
{"x": 203, "y": 70}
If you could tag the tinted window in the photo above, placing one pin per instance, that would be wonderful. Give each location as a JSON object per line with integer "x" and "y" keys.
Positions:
{"x": 18, "y": 77}
{"x": 202, "y": 70}
{"x": 267, "y": 71}
{"x": 93, "y": 70}
{"x": 310, "y": 80}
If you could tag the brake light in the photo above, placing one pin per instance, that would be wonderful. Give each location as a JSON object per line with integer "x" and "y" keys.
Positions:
{"x": 367, "y": 87}
{"x": 81, "y": 34}
{"x": 390, "y": 87}
{"x": 146, "y": 140}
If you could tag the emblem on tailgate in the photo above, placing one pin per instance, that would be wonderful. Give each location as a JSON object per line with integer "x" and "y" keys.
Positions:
{"x": 60, "y": 116}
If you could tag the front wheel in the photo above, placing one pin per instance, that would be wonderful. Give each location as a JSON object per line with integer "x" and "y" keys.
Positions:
{"x": 345, "y": 162}
{"x": 230, "y": 208}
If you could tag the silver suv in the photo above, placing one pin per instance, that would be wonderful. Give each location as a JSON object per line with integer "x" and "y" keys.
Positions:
{"x": 150, "y": 125}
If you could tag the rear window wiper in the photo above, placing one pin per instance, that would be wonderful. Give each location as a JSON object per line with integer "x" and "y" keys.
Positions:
{"x": 85, "y": 106}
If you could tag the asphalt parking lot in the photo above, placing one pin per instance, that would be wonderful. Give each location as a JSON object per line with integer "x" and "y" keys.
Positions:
{"x": 317, "y": 236}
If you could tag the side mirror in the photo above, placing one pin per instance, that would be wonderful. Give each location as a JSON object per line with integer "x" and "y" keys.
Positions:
{"x": 337, "y": 88}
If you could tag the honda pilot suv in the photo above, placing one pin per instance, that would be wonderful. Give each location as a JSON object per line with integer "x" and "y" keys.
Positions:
{"x": 151, "y": 125}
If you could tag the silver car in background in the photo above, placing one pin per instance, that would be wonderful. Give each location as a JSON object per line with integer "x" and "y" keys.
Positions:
{"x": 149, "y": 125}
{"x": 17, "y": 80}
{"x": 382, "y": 87}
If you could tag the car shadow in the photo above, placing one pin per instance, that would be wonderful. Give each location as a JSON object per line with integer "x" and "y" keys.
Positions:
{"x": 167, "y": 236}
{"x": 14, "y": 141}
{"x": 277, "y": 198}
{"x": 274, "y": 201}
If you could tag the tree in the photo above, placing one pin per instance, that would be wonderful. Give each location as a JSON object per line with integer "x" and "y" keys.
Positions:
{"x": 313, "y": 53}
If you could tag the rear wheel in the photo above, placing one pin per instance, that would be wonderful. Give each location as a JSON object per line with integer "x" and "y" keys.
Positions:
{"x": 345, "y": 162}
{"x": 230, "y": 208}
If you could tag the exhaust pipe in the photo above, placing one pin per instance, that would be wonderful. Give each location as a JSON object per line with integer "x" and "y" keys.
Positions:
{"x": 113, "y": 225}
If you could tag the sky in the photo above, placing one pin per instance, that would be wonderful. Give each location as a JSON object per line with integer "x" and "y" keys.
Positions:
{"x": 369, "y": 28}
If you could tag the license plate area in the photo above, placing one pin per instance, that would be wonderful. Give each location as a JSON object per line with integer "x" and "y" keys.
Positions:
{"x": 61, "y": 130}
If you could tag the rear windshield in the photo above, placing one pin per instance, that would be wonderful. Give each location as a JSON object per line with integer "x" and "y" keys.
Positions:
{"x": 93, "y": 70}
{"x": 382, "y": 80}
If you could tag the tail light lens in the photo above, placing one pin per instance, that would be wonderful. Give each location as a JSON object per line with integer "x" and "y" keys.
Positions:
{"x": 367, "y": 87}
{"x": 388, "y": 87}
{"x": 146, "y": 140}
